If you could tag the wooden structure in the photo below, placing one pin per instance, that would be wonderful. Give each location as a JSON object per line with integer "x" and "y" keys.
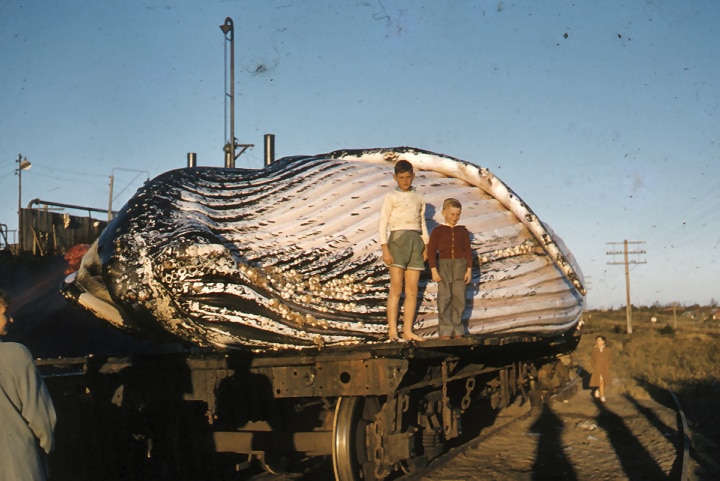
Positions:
{"x": 43, "y": 231}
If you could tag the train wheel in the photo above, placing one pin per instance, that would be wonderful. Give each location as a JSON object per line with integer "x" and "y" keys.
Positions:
{"x": 351, "y": 461}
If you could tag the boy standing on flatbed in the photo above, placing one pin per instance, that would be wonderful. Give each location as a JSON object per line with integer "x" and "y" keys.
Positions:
{"x": 452, "y": 271}
{"x": 404, "y": 249}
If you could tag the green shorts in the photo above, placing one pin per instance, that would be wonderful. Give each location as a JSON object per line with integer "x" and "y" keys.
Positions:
{"x": 406, "y": 248}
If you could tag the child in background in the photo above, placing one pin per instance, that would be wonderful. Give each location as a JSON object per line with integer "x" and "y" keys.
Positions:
{"x": 404, "y": 249}
{"x": 600, "y": 363}
{"x": 452, "y": 271}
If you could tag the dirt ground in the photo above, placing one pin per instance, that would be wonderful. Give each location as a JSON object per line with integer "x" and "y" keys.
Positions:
{"x": 678, "y": 355}
{"x": 631, "y": 437}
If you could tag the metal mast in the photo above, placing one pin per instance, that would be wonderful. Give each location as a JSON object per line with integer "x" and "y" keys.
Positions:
{"x": 231, "y": 143}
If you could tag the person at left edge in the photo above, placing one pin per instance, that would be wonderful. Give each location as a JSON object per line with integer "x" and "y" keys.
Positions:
{"x": 27, "y": 413}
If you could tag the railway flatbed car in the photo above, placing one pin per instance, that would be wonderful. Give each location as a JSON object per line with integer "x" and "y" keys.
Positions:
{"x": 354, "y": 413}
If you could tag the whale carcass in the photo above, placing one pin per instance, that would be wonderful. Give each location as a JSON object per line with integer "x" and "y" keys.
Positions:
{"x": 288, "y": 257}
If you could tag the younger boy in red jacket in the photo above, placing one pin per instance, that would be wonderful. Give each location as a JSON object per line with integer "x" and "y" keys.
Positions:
{"x": 451, "y": 270}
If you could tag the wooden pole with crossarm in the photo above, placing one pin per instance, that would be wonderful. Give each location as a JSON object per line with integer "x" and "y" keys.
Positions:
{"x": 626, "y": 261}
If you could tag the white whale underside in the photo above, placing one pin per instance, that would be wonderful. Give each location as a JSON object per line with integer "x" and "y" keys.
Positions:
{"x": 288, "y": 256}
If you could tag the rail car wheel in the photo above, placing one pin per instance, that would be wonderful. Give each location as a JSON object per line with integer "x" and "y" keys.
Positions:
{"x": 351, "y": 461}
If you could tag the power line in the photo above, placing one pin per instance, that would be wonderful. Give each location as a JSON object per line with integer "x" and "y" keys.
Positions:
{"x": 626, "y": 262}
{"x": 68, "y": 171}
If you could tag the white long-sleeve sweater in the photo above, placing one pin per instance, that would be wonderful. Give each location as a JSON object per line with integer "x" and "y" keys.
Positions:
{"x": 403, "y": 210}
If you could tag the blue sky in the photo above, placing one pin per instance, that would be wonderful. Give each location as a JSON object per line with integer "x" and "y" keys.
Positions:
{"x": 603, "y": 116}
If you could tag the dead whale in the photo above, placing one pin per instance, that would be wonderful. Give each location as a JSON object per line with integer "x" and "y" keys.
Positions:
{"x": 288, "y": 257}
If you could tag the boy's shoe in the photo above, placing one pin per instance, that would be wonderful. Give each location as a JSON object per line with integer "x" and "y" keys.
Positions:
{"x": 596, "y": 393}
{"x": 602, "y": 399}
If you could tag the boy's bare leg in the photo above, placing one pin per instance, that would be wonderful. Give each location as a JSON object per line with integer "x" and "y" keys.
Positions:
{"x": 412, "y": 277}
{"x": 396, "y": 285}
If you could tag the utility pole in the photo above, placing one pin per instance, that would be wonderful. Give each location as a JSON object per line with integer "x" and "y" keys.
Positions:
{"x": 23, "y": 164}
{"x": 627, "y": 262}
{"x": 112, "y": 186}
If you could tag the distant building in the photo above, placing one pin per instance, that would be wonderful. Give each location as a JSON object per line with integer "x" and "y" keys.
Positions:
{"x": 44, "y": 231}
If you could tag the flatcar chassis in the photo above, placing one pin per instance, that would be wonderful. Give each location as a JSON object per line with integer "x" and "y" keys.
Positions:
{"x": 366, "y": 411}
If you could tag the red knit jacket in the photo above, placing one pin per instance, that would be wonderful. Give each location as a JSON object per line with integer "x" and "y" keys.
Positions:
{"x": 451, "y": 242}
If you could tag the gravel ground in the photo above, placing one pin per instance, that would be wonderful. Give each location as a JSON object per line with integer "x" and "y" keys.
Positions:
{"x": 634, "y": 436}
